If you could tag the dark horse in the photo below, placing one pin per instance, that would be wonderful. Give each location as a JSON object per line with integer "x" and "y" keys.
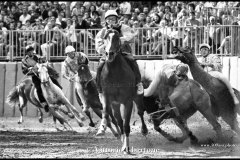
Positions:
{"x": 119, "y": 88}
{"x": 221, "y": 98}
{"x": 179, "y": 98}
{"x": 88, "y": 83}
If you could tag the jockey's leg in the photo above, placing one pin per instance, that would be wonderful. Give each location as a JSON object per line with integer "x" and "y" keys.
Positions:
{"x": 56, "y": 82}
{"x": 82, "y": 97}
{"x": 42, "y": 100}
{"x": 220, "y": 76}
{"x": 99, "y": 70}
{"x": 133, "y": 64}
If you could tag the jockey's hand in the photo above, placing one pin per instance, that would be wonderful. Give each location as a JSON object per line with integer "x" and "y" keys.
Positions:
{"x": 71, "y": 79}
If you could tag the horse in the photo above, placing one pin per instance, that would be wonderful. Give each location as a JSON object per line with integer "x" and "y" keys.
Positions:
{"x": 222, "y": 100}
{"x": 54, "y": 95}
{"x": 25, "y": 91}
{"x": 184, "y": 96}
{"x": 119, "y": 89}
{"x": 88, "y": 82}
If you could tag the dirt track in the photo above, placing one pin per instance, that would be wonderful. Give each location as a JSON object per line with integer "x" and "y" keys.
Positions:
{"x": 40, "y": 140}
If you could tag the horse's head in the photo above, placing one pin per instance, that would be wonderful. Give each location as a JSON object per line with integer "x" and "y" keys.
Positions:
{"x": 84, "y": 73}
{"x": 43, "y": 72}
{"x": 184, "y": 54}
{"x": 113, "y": 43}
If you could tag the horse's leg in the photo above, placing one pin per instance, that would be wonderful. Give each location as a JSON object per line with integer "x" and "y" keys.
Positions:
{"x": 183, "y": 126}
{"x": 41, "y": 115}
{"x": 22, "y": 104}
{"x": 58, "y": 116}
{"x": 184, "y": 132}
{"x": 212, "y": 119}
{"x": 73, "y": 110}
{"x": 91, "y": 124}
{"x": 140, "y": 105}
{"x": 68, "y": 113}
{"x": 162, "y": 132}
{"x": 116, "y": 113}
{"x": 232, "y": 122}
{"x": 105, "y": 116}
{"x": 127, "y": 111}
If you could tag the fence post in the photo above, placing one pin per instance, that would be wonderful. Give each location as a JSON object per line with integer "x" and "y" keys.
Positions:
{"x": 11, "y": 46}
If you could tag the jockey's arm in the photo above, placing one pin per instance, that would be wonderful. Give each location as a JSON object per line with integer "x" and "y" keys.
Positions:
{"x": 26, "y": 70}
{"x": 66, "y": 72}
{"x": 99, "y": 43}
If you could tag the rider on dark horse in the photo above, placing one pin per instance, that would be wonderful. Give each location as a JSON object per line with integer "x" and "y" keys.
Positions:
{"x": 127, "y": 35}
{"x": 29, "y": 67}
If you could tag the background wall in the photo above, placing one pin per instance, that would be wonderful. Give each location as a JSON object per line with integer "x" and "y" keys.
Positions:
{"x": 11, "y": 75}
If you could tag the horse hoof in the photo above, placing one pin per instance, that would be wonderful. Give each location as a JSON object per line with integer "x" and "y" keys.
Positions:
{"x": 81, "y": 124}
{"x": 19, "y": 122}
{"x": 126, "y": 150}
{"x": 40, "y": 120}
{"x": 91, "y": 124}
{"x": 144, "y": 131}
{"x": 177, "y": 140}
{"x": 117, "y": 136}
{"x": 83, "y": 119}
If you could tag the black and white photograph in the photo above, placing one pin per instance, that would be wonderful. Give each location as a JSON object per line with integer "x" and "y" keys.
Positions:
{"x": 119, "y": 79}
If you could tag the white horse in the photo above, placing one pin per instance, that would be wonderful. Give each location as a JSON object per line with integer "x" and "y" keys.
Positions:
{"x": 54, "y": 95}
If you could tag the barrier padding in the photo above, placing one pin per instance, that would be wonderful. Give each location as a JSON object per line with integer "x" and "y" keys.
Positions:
{"x": 225, "y": 70}
{"x": 234, "y": 71}
{"x": 148, "y": 69}
{"x": 10, "y": 83}
{"x": 2, "y": 88}
{"x": 238, "y": 78}
{"x": 66, "y": 86}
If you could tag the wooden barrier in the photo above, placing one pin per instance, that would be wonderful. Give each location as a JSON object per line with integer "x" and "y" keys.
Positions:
{"x": 2, "y": 88}
{"x": 11, "y": 74}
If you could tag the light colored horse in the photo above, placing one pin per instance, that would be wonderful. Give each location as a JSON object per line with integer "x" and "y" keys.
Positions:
{"x": 54, "y": 95}
{"x": 24, "y": 92}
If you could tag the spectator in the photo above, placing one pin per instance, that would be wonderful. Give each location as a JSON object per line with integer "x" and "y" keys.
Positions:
{"x": 25, "y": 16}
{"x": 114, "y": 5}
{"x": 62, "y": 22}
{"x": 145, "y": 10}
{"x": 2, "y": 28}
{"x": 77, "y": 9}
{"x": 125, "y": 8}
{"x": 95, "y": 20}
{"x": 193, "y": 32}
{"x": 93, "y": 8}
{"x": 12, "y": 40}
{"x": 43, "y": 12}
{"x": 2, "y": 43}
{"x": 15, "y": 13}
{"x": 70, "y": 32}
{"x": 214, "y": 34}
{"x": 48, "y": 34}
{"x": 81, "y": 23}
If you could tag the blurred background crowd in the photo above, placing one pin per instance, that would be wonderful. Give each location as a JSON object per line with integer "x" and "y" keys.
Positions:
{"x": 30, "y": 21}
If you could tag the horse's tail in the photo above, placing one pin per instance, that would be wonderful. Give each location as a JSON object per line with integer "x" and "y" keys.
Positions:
{"x": 152, "y": 87}
{"x": 12, "y": 98}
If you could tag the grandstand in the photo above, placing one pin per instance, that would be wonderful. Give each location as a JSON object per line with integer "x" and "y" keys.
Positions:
{"x": 158, "y": 26}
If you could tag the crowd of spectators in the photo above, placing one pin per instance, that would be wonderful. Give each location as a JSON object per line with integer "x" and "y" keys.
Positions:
{"x": 47, "y": 23}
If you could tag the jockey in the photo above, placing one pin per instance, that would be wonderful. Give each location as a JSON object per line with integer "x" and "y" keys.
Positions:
{"x": 29, "y": 67}
{"x": 111, "y": 18}
{"x": 212, "y": 65}
{"x": 182, "y": 70}
{"x": 70, "y": 70}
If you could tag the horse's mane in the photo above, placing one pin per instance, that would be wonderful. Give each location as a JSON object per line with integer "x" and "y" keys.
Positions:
{"x": 52, "y": 72}
{"x": 159, "y": 76}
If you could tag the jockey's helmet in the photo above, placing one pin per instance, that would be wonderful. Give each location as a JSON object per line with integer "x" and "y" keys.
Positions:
{"x": 111, "y": 13}
{"x": 204, "y": 45}
{"x": 69, "y": 49}
{"x": 181, "y": 69}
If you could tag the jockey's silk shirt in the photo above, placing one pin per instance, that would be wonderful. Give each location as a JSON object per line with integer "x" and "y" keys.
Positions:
{"x": 212, "y": 59}
{"x": 128, "y": 35}
{"x": 70, "y": 66}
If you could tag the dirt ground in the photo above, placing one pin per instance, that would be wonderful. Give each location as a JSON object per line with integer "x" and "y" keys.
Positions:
{"x": 41, "y": 140}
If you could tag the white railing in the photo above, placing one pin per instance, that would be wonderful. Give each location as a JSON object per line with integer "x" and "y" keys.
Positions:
{"x": 147, "y": 43}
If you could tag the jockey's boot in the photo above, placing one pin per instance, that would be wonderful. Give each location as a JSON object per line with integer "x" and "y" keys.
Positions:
{"x": 45, "y": 106}
{"x": 140, "y": 88}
